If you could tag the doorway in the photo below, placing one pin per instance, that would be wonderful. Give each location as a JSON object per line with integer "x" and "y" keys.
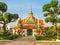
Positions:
{"x": 29, "y": 32}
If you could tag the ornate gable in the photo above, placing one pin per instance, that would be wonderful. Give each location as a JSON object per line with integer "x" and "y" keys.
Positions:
{"x": 30, "y": 19}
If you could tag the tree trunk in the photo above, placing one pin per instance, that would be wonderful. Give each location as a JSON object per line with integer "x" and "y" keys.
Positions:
{"x": 4, "y": 26}
{"x": 55, "y": 27}
{"x": 55, "y": 23}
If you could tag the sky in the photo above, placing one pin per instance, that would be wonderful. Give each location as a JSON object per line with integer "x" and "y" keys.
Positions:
{"x": 22, "y": 7}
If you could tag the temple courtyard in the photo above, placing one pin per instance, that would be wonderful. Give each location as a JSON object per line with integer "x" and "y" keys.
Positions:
{"x": 28, "y": 41}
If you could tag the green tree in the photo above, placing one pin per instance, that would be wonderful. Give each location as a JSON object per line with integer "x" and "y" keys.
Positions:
{"x": 9, "y": 18}
{"x": 3, "y": 7}
{"x": 6, "y": 18}
{"x": 52, "y": 10}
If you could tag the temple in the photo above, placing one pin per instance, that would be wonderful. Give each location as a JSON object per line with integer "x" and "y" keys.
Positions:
{"x": 29, "y": 24}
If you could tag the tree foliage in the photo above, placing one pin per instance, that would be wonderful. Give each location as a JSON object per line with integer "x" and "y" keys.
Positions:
{"x": 6, "y": 17}
{"x": 10, "y": 17}
{"x": 52, "y": 10}
{"x": 15, "y": 16}
{"x": 3, "y": 7}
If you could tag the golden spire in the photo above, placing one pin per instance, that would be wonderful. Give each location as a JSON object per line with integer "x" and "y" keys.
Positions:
{"x": 31, "y": 10}
{"x": 30, "y": 18}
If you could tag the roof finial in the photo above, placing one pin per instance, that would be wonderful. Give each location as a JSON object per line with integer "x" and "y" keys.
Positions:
{"x": 31, "y": 9}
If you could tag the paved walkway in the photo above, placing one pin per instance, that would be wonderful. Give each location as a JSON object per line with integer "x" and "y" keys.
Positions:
{"x": 23, "y": 41}
{"x": 20, "y": 43}
{"x": 4, "y": 42}
{"x": 29, "y": 41}
{"x": 48, "y": 43}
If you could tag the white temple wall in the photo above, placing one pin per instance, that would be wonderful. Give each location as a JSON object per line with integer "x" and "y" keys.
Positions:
{"x": 13, "y": 31}
{"x": 25, "y": 32}
{"x": 33, "y": 32}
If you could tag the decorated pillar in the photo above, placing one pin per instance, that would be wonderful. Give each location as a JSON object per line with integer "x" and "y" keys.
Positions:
{"x": 13, "y": 31}
{"x": 33, "y": 32}
{"x": 25, "y": 32}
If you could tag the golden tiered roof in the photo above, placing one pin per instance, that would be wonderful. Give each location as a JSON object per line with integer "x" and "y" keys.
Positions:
{"x": 30, "y": 18}
{"x": 30, "y": 21}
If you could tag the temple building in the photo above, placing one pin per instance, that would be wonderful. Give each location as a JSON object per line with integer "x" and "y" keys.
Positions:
{"x": 28, "y": 25}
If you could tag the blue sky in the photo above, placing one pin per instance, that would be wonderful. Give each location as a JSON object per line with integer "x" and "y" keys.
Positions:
{"x": 22, "y": 7}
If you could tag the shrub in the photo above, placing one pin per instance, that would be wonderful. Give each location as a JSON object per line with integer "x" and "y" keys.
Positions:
{"x": 12, "y": 37}
{"x": 7, "y": 36}
{"x": 38, "y": 37}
